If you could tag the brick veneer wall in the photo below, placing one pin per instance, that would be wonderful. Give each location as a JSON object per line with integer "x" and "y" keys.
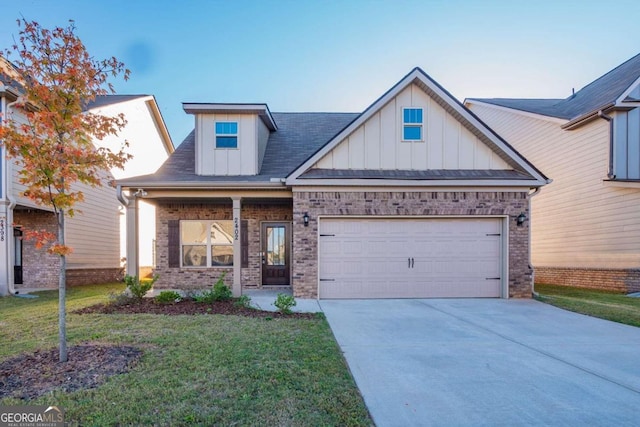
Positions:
{"x": 305, "y": 245}
{"x": 201, "y": 278}
{"x": 40, "y": 270}
{"x": 88, "y": 276}
{"x": 623, "y": 280}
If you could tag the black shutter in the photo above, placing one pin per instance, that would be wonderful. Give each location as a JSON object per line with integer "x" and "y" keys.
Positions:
{"x": 244, "y": 243}
{"x": 174, "y": 243}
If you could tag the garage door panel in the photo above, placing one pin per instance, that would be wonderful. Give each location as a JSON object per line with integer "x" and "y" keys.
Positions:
{"x": 407, "y": 258}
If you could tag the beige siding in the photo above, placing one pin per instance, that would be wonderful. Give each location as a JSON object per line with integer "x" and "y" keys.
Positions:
{"x": 227, "y": 161}
{"x": 377, "y": 144}
{"x": 576, "y": 220}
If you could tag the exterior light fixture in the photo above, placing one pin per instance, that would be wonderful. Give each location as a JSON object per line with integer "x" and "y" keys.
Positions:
{"x": 521, "y": 219}
{"x": 305, "y": 219}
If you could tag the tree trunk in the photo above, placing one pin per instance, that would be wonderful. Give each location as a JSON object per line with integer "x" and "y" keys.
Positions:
{"x": 62, "y": 292}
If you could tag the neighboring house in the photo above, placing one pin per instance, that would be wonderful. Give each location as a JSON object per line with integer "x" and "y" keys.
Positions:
{"x": 586, "y": 224}
{"x": 414, "y": 197}
{"x": 94, "y": 232}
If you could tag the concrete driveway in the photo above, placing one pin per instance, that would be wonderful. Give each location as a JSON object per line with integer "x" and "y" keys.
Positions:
{"x": 474, "y": 362}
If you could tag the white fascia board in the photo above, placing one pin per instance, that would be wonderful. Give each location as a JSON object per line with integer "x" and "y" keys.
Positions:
{"x": 209, "y": 108}
{"x": 370, "y": 111}
{"x": 198, "y": 185}
{"x": 516, "y": 111}
{"x": 354, "y": 188}
{"x": 162, "y": 126}
{"x": 426, "y": 184}
{"x": 626, "y": 93}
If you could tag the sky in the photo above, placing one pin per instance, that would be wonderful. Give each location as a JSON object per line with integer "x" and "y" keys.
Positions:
{"x": 340, "y": 55}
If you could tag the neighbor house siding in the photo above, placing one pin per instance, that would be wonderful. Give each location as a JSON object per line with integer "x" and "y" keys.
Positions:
{"x": 377, "y": 143}
{"x": 577, "y": 222}
{"x": 409, "y": 204}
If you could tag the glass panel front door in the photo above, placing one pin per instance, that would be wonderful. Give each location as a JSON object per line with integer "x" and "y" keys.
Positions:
{"x": 275, "y": 253}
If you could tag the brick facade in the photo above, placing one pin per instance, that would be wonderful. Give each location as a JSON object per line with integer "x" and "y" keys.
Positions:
{"x": 623, "y": 280}
{"x": 202, "y": 278}
{"x": 305, "y": 245}
{"x": 40, "y": 270}
{"x": 89, "y": 276}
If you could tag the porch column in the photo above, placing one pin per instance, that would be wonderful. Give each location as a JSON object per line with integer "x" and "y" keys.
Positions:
{"x": 132, "y": 237}
{"x": 6, "y": 249}
{"x": 237, "y": 249}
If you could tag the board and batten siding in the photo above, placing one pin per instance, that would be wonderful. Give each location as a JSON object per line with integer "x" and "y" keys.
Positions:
{"x": 626, "y": 137}
{"x": 577, "y": 221}
{"x": 378, "y": 145}
{"x": 227, "y": 161}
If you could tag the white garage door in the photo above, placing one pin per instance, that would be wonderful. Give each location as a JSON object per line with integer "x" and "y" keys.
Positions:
{"x": 410, "y": 258}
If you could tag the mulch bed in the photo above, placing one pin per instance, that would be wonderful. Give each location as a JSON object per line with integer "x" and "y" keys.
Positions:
{"x": 187, "y": 306}
{"x": 32, "y": 375}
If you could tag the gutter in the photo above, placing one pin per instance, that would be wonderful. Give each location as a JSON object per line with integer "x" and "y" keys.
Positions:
{"x": 199, "y": 185}
{"x": 578, "y": 121}
{"x": 602, "y": 115}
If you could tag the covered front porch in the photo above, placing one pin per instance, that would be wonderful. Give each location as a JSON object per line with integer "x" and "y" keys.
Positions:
{"x": 201, "y": 236}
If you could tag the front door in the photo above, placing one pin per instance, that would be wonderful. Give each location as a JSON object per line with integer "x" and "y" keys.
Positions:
{"x": 275, "y": 253}
{"x": 17, "y": 258}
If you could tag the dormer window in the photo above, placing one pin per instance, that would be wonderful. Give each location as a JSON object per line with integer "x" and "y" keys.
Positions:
{"x": 412, "y": 124}
{"x": 226, "y": 134}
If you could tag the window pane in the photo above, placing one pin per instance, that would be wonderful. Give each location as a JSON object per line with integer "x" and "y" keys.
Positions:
{"x": 193, "y": 231}
{"x": 222, "y": 232}
{"x": 221, "y": 255}
{"x": 226, "y": 128}
{"x": 275, "y": 246}
{"x": 226, "y": 142}
{"x": 412, "y": 115}
{"x": 412, "y": 133}
{"x": 193, "y": 255}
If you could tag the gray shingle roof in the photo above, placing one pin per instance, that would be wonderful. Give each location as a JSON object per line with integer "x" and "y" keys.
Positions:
{"x": 299, "y": 135}
{"x": 104, "y": 100}
{"x": 600, "y": 93}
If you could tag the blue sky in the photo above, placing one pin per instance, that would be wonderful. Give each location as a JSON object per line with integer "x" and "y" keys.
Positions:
{"x": 336, "y": 55}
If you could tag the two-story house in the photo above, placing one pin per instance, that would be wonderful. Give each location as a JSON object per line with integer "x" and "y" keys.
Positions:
{"x": 94, "y": 232}
{"x": 414, "y": 197}
{"x": 586, "y": 224}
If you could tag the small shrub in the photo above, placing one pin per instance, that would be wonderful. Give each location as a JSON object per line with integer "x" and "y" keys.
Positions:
{"x": 284, "y": 303}
{"x": 243, "y": 301}
{"x": 120, "y": 298}
{"x": 168, "y": 297}
{"x": 139, "y": 288}
{"x": 220, "y": 292}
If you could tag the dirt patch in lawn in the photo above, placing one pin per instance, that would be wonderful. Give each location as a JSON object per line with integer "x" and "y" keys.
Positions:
{"x": 149, "y": 305}
{"x": 32, "y": 375}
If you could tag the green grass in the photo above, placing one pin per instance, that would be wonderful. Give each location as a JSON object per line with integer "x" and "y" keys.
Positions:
{"x": 597, "y": 303}
{"x": 196, "y": 370}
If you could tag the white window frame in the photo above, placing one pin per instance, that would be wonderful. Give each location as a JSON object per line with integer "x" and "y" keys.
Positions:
{"x": 419, "y": 125}
{"x": 232, "y": 135}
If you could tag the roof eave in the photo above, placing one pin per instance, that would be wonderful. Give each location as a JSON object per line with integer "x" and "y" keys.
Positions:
{"x": 522, "y": 183}
{"x": 586, "y": 118}
{"x": 197, "y": 185}
{"x": 262, "y": 110}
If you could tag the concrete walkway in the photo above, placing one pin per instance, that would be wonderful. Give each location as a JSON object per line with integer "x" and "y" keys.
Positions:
{"x": 474, "y": 362}
{"x": 263, "y": 299}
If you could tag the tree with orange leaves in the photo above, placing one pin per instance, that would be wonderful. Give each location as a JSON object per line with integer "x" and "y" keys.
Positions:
{"x": 53, "y": 144}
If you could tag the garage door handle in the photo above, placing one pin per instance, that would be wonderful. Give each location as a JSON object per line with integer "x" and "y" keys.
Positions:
{"x": 492, "y": 278}
{"x": 327, "y": 280}
{"x": 409, "y": 262}
{"x": 412, "y": 261}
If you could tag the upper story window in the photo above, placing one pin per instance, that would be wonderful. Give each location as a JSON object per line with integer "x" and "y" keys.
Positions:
{"x": 412, "y": 124}
{"x": 226, "y": 134}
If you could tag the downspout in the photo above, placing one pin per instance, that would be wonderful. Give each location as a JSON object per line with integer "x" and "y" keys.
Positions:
{"x": 12, "y": 204}
{"x": 533, "y": 275}
{"x": 602, "y": 115}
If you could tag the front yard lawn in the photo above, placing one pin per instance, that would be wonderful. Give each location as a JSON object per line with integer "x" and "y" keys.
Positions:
{"x": 597, "y": 303}
{"x": 199, "y": 369}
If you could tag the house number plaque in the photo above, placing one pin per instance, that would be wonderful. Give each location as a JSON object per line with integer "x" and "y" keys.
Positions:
{"x": 236, "y": 228}
{"x": 3, "y": 221}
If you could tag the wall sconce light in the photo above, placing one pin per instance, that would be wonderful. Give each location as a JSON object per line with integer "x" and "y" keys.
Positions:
{"x": 140, "y": 193}
{"x": 521, "y": 219}
{"x": 305, "y": 219}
